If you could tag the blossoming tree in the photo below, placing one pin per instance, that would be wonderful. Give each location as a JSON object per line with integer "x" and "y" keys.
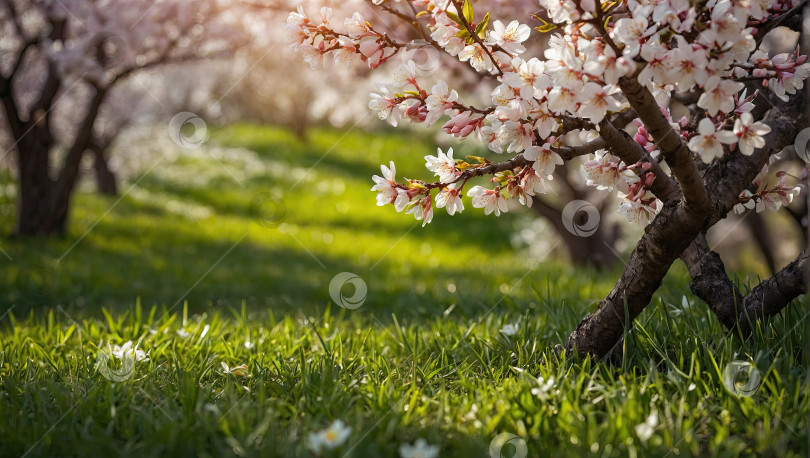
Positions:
{"x": 49, "y": 48}
{"x": 610, "y": 72}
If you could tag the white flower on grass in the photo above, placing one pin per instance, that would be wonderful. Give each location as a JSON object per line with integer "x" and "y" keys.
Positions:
{"x": 488, "y": 199}
{"x": 443, "y": 165}
{"x": 645, "y": 430}
{"x": 510, "y": 329}
{"x": 708, "y": 144}
{"x": 544, "y": 388}
{"x": 182, "y": 333}
{"x": 127, "y": 351}
{"x": 749, "y": 133}
{"x": 419, "y": 449}
{"x": 330, "y": 438}
{"x": 238, "y": 371}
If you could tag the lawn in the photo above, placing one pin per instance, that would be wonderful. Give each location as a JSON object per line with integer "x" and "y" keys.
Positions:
{"x": 218, "y": 263}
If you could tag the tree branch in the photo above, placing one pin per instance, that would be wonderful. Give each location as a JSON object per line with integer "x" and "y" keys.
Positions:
{"x": 629, "y": 151}
{"x": 471, "y": 31}
{"x": 710, "y": 282}
{"x": 773, "y": 294}
{"x": 669, "y": 142}
{"x": 570, "y": 152}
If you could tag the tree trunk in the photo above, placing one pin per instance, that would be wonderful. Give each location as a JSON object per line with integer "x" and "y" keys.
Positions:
{"x": 678, "y": 223}
{"x": 36, "y": 186}
{"x": 772, "y": 295}
{"x": 43, "y": 202}
{"x": 762, "y": 236}
{"x": 664, "y": 239}
{"x": 106, "y": 183}
{"x": 595, "y": 250}
{"x": 710, "y": 282}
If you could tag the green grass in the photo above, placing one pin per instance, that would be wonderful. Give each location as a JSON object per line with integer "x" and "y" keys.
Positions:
{"x": 422, "y": 358}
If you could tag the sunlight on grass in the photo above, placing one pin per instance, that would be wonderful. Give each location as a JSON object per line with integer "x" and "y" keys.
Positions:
{"x": 217, "y": 265}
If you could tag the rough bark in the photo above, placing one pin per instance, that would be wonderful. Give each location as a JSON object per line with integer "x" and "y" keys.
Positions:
{"x": 726, "y": 180}
{"x": 772, "y": 295}
{"x": 663, "y": 241}
{"x": 710, "y": 282}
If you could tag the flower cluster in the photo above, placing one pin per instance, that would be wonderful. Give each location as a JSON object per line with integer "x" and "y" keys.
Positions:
{"x": 767, "y": 198}
{"x": 315, "y": 39}
{"x": 639, "y": 205}
{"x": 706, "y": 50}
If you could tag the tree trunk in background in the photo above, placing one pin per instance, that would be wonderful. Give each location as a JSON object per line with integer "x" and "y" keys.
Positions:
{"x": 595, "y": 250}
{"x": 44, "y": 203}
{"x": 36, "y": 185}
{"x": 106, "y": 183}
{"x": 762, "y": 236}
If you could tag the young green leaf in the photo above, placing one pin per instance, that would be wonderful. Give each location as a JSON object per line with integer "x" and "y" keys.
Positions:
{"x": 467, "y": 10}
